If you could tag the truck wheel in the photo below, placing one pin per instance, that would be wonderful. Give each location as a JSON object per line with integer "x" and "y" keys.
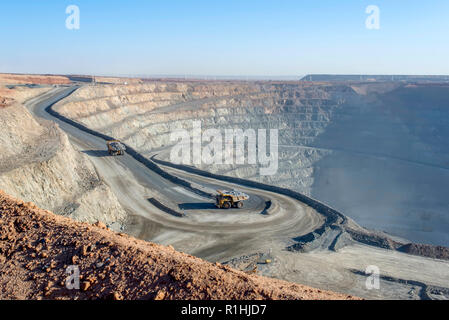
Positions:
{"x": 226, "y": 205}
{"x": 239, "y": 204}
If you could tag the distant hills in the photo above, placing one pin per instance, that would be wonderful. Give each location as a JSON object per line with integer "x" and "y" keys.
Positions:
{"x": 361, "y": 77}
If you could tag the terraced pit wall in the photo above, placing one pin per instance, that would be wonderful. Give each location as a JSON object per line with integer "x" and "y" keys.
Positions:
{"x": 373, "y": 151}
{"x": 333, "y": 219}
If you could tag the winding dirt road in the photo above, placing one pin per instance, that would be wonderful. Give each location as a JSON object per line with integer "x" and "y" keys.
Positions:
{"x": 204, "y": 231}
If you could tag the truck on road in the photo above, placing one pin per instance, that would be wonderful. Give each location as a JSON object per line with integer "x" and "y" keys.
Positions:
{"x": 230, "y": 199}
{"x": 115, "y": 148}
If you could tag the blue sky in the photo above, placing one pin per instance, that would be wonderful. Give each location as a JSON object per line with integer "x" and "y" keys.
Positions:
{"x": 261, "y": 38}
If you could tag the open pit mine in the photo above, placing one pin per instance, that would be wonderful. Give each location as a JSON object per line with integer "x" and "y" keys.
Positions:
{"x": 357, "y": 205}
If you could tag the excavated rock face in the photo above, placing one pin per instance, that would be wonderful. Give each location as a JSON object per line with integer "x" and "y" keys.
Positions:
{"x": 143, "y": 116}
{"x": 376, "y": 152}
{"x": 40, "y": 250}
{"x": 39, "y": 164}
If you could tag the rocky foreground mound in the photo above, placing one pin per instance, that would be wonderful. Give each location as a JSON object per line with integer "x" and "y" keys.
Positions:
{"x": 37, "y": 247}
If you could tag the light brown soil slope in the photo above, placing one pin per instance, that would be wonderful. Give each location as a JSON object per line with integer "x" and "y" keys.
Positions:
{"x": 58, "y": 177}
{"x": 10, "y": 96}
{"x": 37, "y": 246}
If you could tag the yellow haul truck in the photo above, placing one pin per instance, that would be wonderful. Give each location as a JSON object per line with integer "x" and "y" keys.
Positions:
{"x": 115, "y": 148}
{"x": 230, "y": 199}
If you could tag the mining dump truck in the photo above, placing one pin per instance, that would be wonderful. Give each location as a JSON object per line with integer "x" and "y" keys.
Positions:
{"x": 115, "y": 148}
{"x": 230, "y": 199}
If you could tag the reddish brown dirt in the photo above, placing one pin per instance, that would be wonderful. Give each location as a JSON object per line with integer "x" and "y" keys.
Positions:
{"x": 37, "y": 246}
{"x": 32, "y": 79}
